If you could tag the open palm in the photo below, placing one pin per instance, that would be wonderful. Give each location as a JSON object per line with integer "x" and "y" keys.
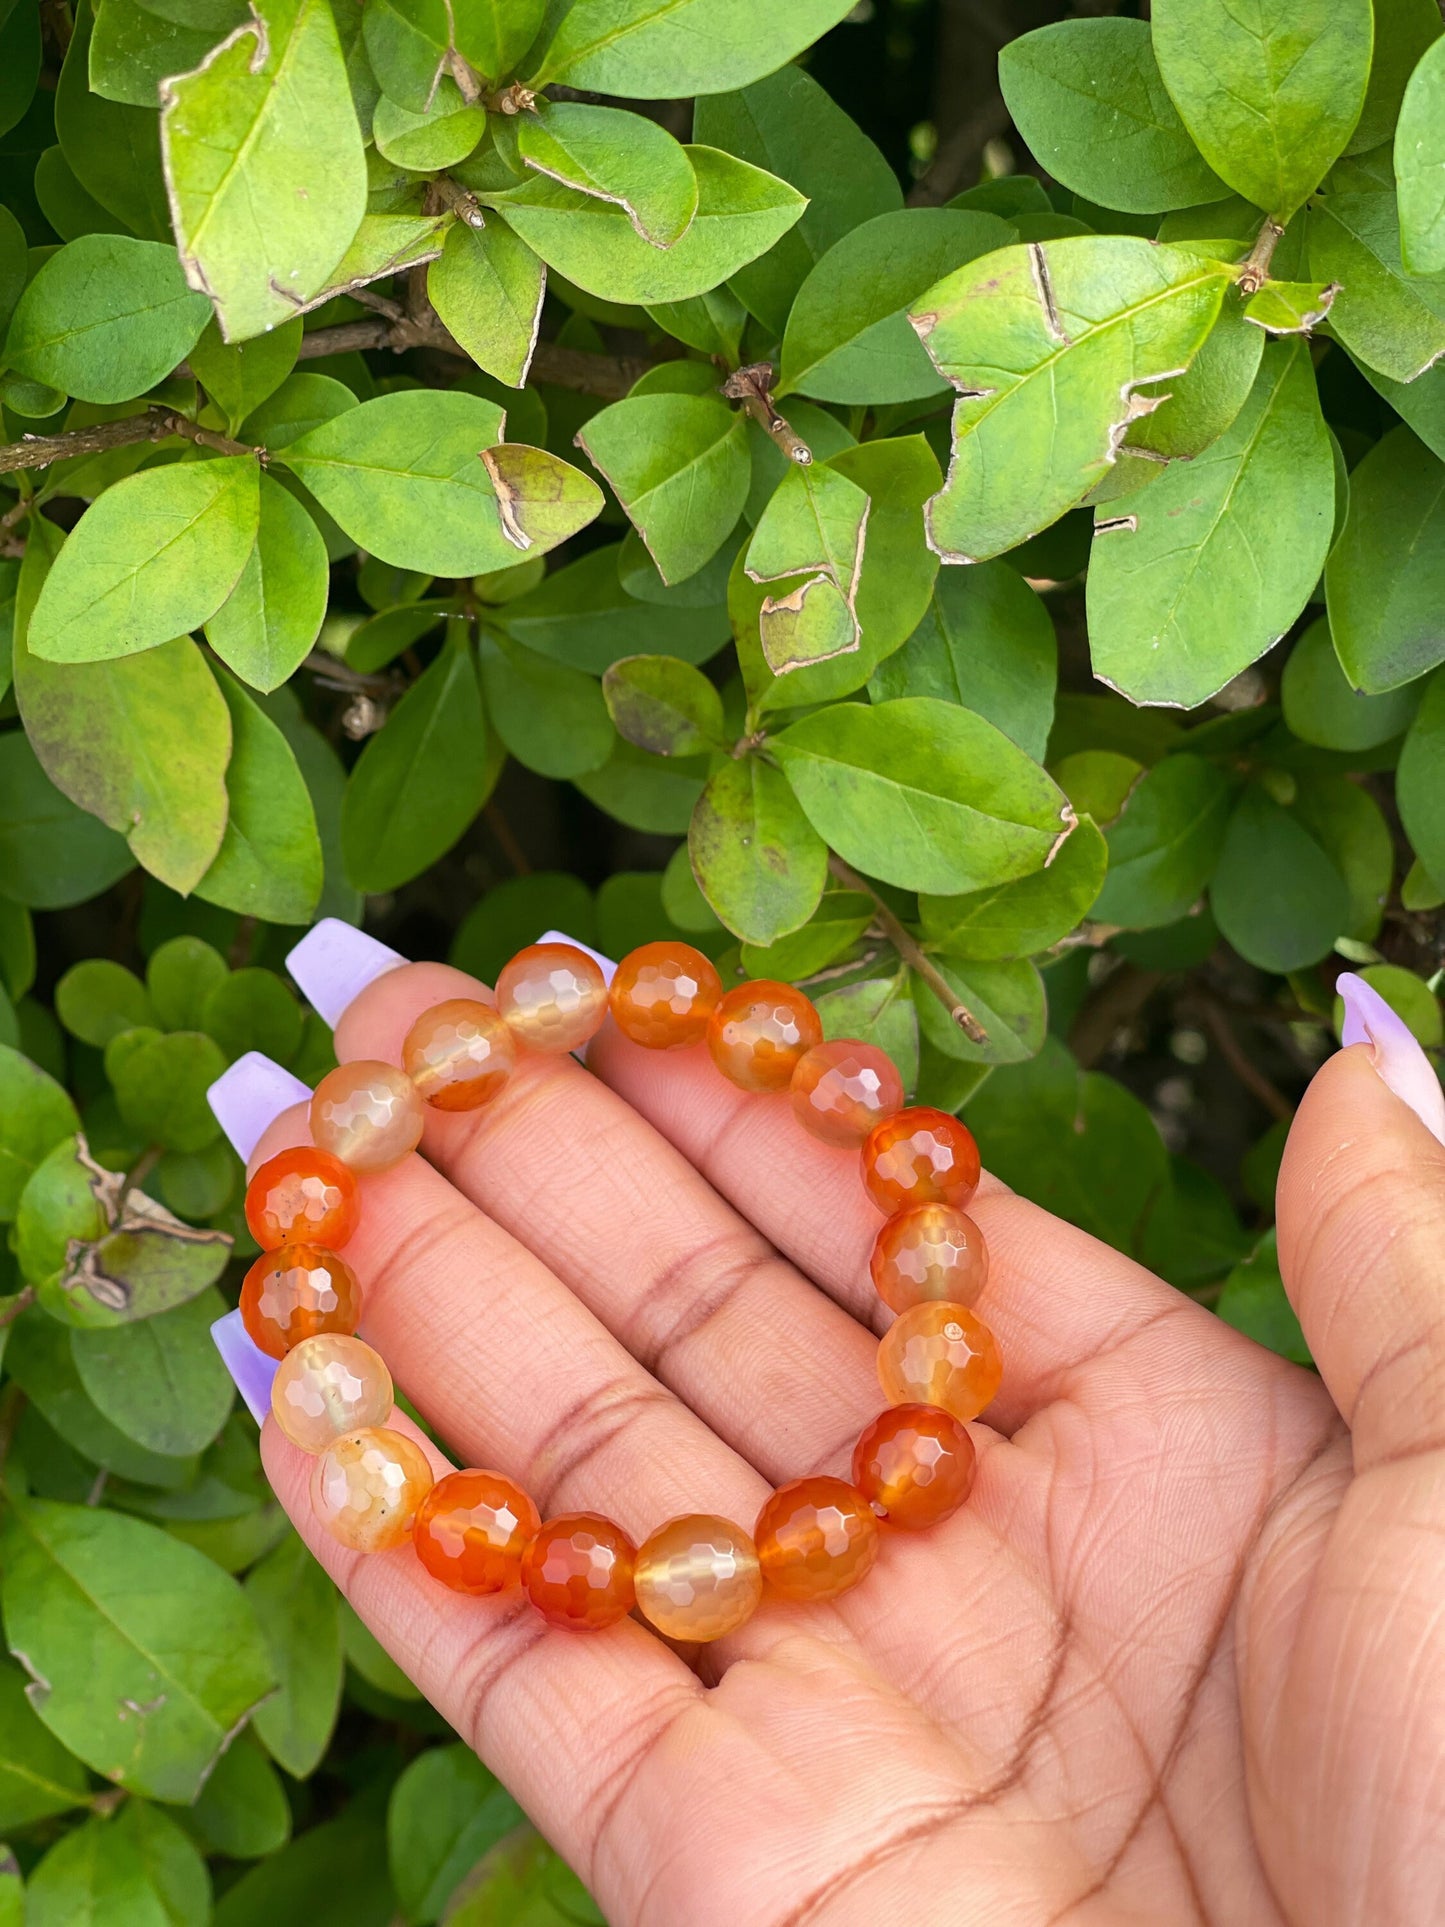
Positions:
{"x": 1180, "y": 1657}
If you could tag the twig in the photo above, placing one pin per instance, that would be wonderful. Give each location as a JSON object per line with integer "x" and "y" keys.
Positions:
{"x": 1239, "y": 1061}
{"x": 753, "y": 387}
{"x": 154, "y": 425}
{"x": 464, "y": 205}
{"x": 1116, "y": 1002}
{"x": 22, "y": 1301}
{"x": 909, "y": 951}
{"x": 609, "y": 376}
{"x": 1254, "y": 271}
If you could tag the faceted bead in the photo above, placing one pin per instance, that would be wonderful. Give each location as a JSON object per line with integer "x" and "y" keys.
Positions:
{"x": 303, "y": 1196}
{"x": 841, "y": 1089}
{"x": 929, "y": 1251}
{"x": 940, "y": 1354}
{"x": 472, "y": 1530}
{"x": 759, "y": 1031}
{"x": 327, "y": 1386}
{"x": 914, "y": 1465}
{"x": 920, "y": 1156}
{"x": 459, "y": 1054}
{"x": 369, "y": 1115}
{"x": 577, "y": 1572}
{"x": 367, "y": 1486}
{"x": 698, "y": 1577}
{"x": 295, "y": 1292}
{"x": 552, "y": 996}
{"x": 663, "y": 995}
{"x": 816, "y": 1538}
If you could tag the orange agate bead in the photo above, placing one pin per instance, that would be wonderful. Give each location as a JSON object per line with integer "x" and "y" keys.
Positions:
{"x": 296, "y": 1292}
{"x": 664, "y": 994}
{"x": 327, "y": 1386}
{"x": 915, "y": 1465}
{"x": 366, "y": 1488}
{"x": 302, "y": 1196}
{"x": 472, "y": 1530}
{"x": 940, "y": 1354}
{"x": 929, "y": 1251}
{"x": 920, "y": 1156}
{"x": 841, "y": 1089}
{"x": 577, "y": 1572}
{"x": 459, "y": 1054}
{"x": 698, "y": 1577}
{"x": 816, "y": 1538}
{"x": 552, "y": 996}
{"x": 759, "y": 1031}
{"x": 367, "y": 1114}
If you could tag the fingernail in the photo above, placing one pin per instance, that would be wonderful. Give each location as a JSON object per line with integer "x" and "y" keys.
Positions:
{"x": 1397, "y": 1053}
{"x": 333, "y": 964}
{"x": 251, "y": 1095}
{"x": 604, "y": 964}
{"x": 248, "y": 1365}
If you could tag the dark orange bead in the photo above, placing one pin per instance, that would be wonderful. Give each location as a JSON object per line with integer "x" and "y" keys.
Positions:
{"x": 296, "y": 1291}
{"x": 915, "y": 1465}
{"x": 663, "y": 995}
{"x": 920, "y": 1156}
{"x": 816, "y": 1538}
{"x": 841, "y": 1089}
{"x": 459, "y": 1054}
{"x": 472, "y": 1530}
{"x": 929, "y": 1251}
{"x": 303, "y": 1196}
{"x": 759, "y": 1031}
{"x": 577, "y": 1572}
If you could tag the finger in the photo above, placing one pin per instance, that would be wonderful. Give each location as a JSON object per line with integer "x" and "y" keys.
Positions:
{"x": 1361, "y": 1237}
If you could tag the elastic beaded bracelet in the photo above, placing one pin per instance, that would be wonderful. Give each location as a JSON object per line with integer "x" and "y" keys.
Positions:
{"x": 476, "y": 1531}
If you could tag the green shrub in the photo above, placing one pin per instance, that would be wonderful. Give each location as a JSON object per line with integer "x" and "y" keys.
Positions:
{"x": 993, "y": 578}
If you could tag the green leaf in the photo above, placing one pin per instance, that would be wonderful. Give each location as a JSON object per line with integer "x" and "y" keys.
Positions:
{"x": 146, "y": 1656}
{"x": 1275, "y": 894}
{"x": 487, "y": 287}
{"x": 582, "y": 615}
{"x": 813, "y": 530}
{"x": 654, "y": 49}
{"x": 1320, "y": 706}
{"x": 383, "y": 244}
{"x": 1420, "y": 782}
{"x": 419, "y": 783}
{"x": 1384, "y": 315}
{"x": 848, "y": 337}
{"x": 161, "y": 1087}
{"x": 835, "y": 926}
{"x": 135, "y": 1865}
{"x": 1203, "y": 401}
{"x": 266, "y": 626}
{"x": 1087, "y": 97}
{"x": 298, "y": 1609}
{"x": 17, "y": 948}
{"x": 758, "y": 861}
{"x": 180, "y": 976}
{"x": 445, "y": 1812}
{"x": 1020, "y": 918}
{"x": 269, "y": 864}
{"x": 20, "y": 57}
{"x": 515, "y": 913}
{"x": 240, "y": 376}
{"x": 253, "y": 1010}
{"x": 265, "y": 165}
{"x": 741, "y": 211}
{"x": 38, "y": 1358}
{"x": 160, "y": 1380}
{"x": 618, "y": 157}
{"x": 134, "y": 47}
{"x": 552, "y": 718}
{"x": 38, "y": 1776}
{"x": 1164, "y": 847}
{"x": 1204, "y": 571}
{"x": 654, "y": 793}
{"x": 1420, "y": 165}
{"x": 1270, "y": 96}
{"x": 96, "y": 999}
{"x": 443, "y": 136}
{"x": 52, "y": 854}
{"x": 679, "y": 465}
{"x": 1006, "y": 997}
{"x": 923, "y": 795}
{"x": 1349, "y": 826}
{"x": 113, "y": 150}
{"x": 664, "y": 706}
{"x": 877, "y": 1011}
{"x": 106, "y": 318}
{"x": 787, "y": 124}
{"x": 1404, "y": 30}
{"x": 986, "y": 643}
{"x": 1291, "y": 307}
{"x": 154, "y": 556}
{"x": 1385, "y": 578}
{"x": 332, "y": 1875}
{"x": 1420, "y": 403}
{"x": 1254, "y": 1302}
{"x": 243, "y": 1811}
{"x": 1049, "y": 347}
{"x": 421, "y": 479}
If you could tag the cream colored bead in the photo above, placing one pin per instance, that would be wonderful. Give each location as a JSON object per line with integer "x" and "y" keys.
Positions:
{"x": 328, "y": 1386}
{"x": 367, "y": 1487}
{"x": 698, "y": 1577}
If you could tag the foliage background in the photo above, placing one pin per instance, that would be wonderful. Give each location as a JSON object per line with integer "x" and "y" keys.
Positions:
{"x": 294, "y": 694}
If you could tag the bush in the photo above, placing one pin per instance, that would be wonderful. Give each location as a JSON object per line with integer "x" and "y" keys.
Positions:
{"x": 987, "y": 568}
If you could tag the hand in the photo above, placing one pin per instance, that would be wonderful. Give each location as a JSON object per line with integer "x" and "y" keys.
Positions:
{"x": 1180, "y": 1658}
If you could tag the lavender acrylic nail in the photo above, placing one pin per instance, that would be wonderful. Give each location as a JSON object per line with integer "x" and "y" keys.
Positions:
{"x": 1397, "y": 1054}
{"x": 333, "y": 964}
{"x": 250, "y": 1096}
{"x": 248, "y": 1365}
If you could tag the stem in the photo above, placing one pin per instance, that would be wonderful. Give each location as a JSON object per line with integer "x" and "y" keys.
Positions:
{"x": 609, "y": 376}
{"x": 155, "y": 425}
{"x": 465, "y": 206}
{"x": 1255, "y": 270}
{"x": 138, "y": 1173}
{"x": 753, "y": 387}
{"x": 1239, "y": 1061}
{"x": 22, "y": 1301}
{"x": 912, "y": 955}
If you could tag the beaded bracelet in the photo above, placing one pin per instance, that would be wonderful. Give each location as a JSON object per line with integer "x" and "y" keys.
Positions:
{"x": 697, "y": 1577}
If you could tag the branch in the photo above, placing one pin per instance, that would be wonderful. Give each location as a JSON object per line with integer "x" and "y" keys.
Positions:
{"x": 155, "y": 425}
{"x": 1240, "y": 1062}
{"x": 909, "y": 951}
{"x": 753, "y": 387}
{"x": 609, "y": 376}
{"x": 1254, "y": 271}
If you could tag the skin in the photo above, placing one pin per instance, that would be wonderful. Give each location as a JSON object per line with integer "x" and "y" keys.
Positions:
{"x": 1181, "y": 1658}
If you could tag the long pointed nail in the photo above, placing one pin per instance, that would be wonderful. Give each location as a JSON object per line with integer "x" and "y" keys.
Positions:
{"x": 604, "y": 964}
{"x": 333, "y": 964}
{"x": 1397, "y": 1053}
{"x": 248, "y": 1365}
{"x": 251, "y": 1095}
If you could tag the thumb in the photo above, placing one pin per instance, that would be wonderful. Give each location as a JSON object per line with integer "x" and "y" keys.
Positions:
{"x": 1361, "y": 1209}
